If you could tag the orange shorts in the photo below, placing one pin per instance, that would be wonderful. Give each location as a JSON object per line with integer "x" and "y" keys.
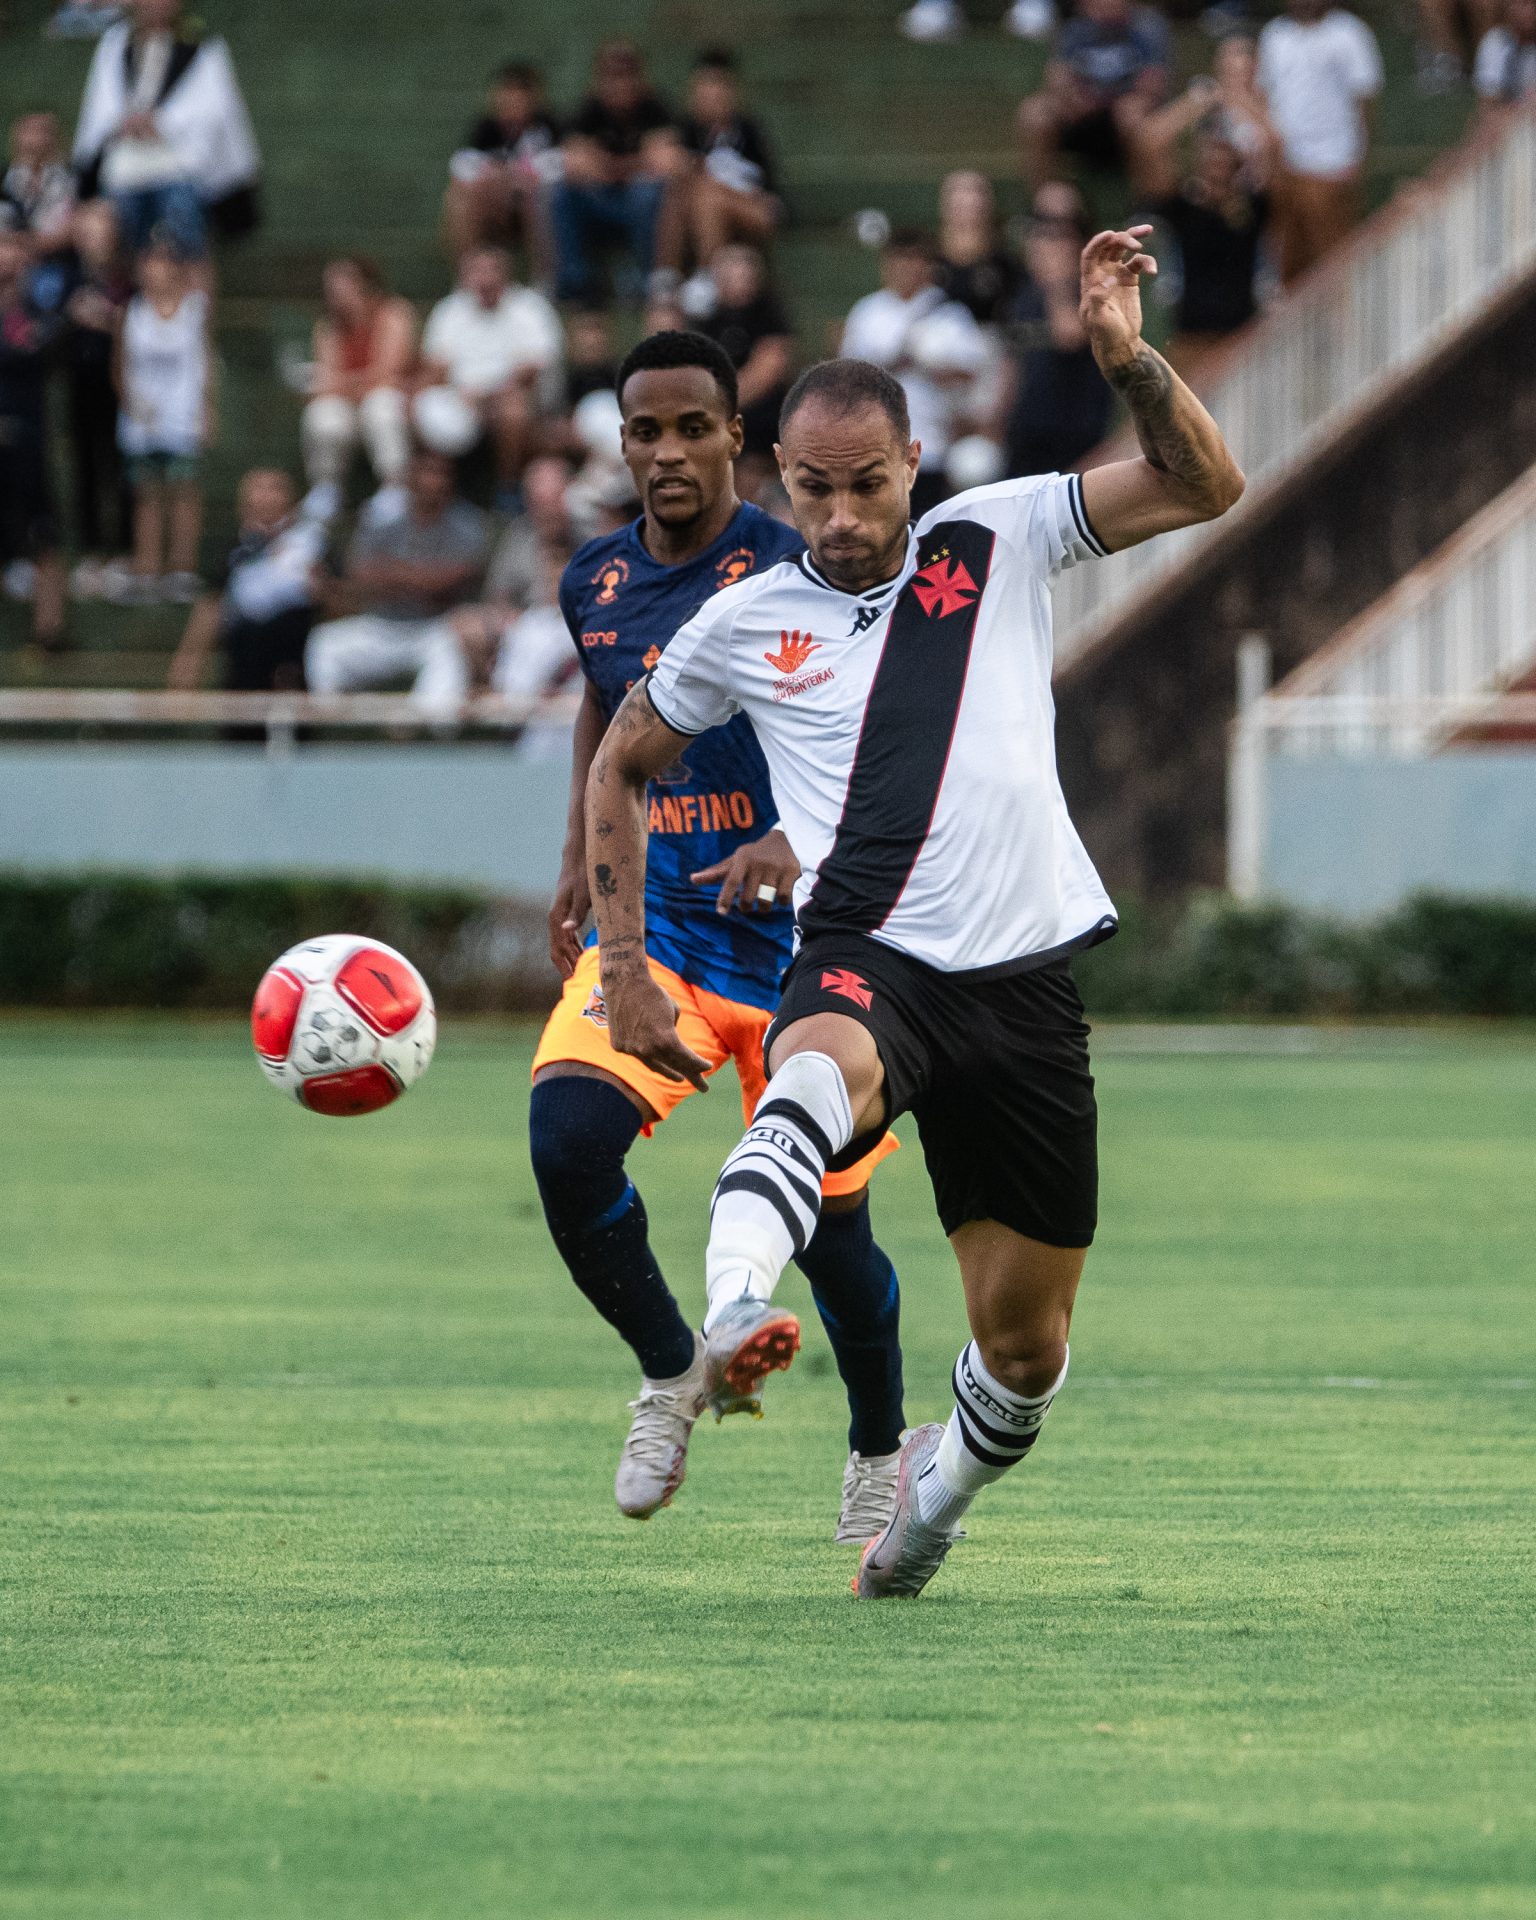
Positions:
{"x": 717, "y": 1029}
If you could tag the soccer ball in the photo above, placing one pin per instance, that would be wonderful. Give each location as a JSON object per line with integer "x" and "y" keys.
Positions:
{"x": 344, "y": 1024}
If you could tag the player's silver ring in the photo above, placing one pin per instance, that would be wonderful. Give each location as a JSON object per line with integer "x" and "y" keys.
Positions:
{"x": 767, "y": 894}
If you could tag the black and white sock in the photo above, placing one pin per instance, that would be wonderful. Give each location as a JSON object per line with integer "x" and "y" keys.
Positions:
{"x": 990, "y": 1430}
{"x": 768, "y": 1197}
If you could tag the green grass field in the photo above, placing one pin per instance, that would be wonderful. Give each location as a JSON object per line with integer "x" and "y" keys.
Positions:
{"x": 313, "y": 1600}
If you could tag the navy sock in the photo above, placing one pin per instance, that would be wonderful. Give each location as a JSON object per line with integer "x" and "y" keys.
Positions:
{"x": 579, "y": 1131}
{"x": 855, "y": 1290}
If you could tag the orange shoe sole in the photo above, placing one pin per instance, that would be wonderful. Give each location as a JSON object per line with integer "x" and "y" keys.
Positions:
{"x": 769, "y": 1350}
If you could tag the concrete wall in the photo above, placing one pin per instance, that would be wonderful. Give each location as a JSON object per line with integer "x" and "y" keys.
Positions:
{"x": 1354, "y": 836}
{"x": 487, "y": 815}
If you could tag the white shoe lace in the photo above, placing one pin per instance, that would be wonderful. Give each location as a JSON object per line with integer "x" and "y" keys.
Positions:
{"x": 663, "y": 1417}
{"x": 869, "y": 1486}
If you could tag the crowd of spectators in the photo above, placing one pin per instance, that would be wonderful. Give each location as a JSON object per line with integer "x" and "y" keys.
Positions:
{"x": 455, "y": 456}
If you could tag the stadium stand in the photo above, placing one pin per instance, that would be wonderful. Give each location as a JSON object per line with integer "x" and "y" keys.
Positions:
{"x": 357, "y": 108}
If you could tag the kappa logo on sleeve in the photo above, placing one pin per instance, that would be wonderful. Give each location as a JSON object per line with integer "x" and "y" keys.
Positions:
{"x": 844, "y": 981}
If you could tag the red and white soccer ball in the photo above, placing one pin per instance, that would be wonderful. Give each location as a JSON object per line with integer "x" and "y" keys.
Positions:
{"x": 343, "y": 1024}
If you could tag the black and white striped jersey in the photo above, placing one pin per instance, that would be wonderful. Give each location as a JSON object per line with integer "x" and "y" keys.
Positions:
{"x": 910, "y": 731}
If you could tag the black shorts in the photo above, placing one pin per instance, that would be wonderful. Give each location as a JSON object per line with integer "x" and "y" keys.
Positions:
{"x": 995, "y": 1072}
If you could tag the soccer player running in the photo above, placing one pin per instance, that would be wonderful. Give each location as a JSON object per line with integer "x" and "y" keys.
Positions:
{"x": 943, "y": 884}
{"x": 719, "y": 930}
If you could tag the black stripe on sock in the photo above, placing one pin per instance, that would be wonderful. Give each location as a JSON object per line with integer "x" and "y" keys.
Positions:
{"x": 906, "y": 734}
{"x": 742, "y": 1180}
{"x": 781, "y": 1104}
{"x": 809, "y": 1194}
{"x": 783, "y": 1142}
{"x": 975, "y": 1445}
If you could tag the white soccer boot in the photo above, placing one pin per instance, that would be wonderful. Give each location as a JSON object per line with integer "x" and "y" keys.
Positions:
{"x": 655, "y": 1455}
{"x": 906, "y": 1556}
{"x": 750, "y": 1340}
{"x": 869, "y": 1495}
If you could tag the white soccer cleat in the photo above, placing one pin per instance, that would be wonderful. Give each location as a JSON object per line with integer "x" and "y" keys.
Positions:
{"x": 906, "y": 1556}
{"x": 869, "y": 1495}
{"x": 750, "y": 1340}
{"x": 655, "y": 1455}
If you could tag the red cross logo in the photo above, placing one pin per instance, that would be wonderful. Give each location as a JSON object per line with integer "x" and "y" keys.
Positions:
{"x": 944, "y": 586}
{"x": 842, "y": 980}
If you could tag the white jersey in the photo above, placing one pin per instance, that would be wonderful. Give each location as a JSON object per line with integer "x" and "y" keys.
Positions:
{"x": 910, "y": 731}
{"x": 165, "y": 377}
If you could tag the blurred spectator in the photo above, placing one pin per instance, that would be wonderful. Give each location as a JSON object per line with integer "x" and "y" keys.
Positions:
{"x": 507, "y": 643}
{"x": 1319, "y": 69}
{"x": 418, "y": 552}
{"x": 165, "y": 132}
{"x": 1505, "y": 73}
{"x": 29, "y": 534}
{"x": 496, "y": 183}
{"x": 974, "y": 266}
{"x": 98, "y": 294}
{"x": 260, "y": 613}
{"x": 1447, "y": 29}
{"x": 747, "y": 318}
{"x": 1227, "y": 103}
{"x": 39, "y": 182}
{"x": 591, "y": 365}
{"x": 499, "y": 348}
{"x": 1107, "y": 72}
{"x": 1055, "y": 404}
{"x": 365, "y": 350}
{"x": 83, "y": 19}
{"x": 929, "y": 20}
{"x": 1218, "y": 222}
{"x": 165, "y": 421}
{"x": 931, "y": 344}
{"x": 733, "y": 192}
{"x": 621, "y": 155}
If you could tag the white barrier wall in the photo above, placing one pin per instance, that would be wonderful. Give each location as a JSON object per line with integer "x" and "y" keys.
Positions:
{"x": 1354, "y": 836}
{"x": 487, "y": 815}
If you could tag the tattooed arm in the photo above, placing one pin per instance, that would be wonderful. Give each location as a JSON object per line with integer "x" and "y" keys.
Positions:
{"x": 1186, "y": 471}
{"x": 641, "y": 1018}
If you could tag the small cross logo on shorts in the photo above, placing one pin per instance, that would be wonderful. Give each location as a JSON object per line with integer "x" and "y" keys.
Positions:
{"x": 844, "y": 981}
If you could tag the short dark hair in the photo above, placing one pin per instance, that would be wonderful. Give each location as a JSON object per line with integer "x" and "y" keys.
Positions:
{"x": 520, "y": 73}
{"x": 659, "y": 352}
{"x": 845, "y": 386}
{"x": 715, "y": 60}
{"x": 911, "y": 240}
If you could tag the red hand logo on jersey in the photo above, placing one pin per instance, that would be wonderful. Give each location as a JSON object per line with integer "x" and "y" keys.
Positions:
{"x": 794, "y": 650}
{"x": 846, "y": 982}
{"x": 944, "y": 586}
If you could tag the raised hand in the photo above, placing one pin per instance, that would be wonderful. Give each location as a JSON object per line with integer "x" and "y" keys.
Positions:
{"x": 1110, "y": 306}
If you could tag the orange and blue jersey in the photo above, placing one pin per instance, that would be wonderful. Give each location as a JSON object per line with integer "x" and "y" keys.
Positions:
{"x": 622, "y": 608}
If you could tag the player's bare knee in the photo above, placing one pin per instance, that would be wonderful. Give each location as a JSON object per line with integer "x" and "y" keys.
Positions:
{"x": 1027, "y": 1360}
{"x": 851, "y": 1047}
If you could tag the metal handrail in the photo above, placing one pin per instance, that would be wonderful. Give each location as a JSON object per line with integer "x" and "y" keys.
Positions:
{"x": 1365, "y": 320}
{"x": 279, "y": 715}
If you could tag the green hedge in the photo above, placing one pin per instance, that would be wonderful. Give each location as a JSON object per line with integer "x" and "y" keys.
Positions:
{"x": 125, "y": 940}
{"x": 115, "y": 940}
{"x": 1434, "y": 955}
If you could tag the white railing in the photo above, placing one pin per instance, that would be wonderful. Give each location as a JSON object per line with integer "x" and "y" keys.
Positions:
{"x": 278, "y": 715}
{"x": 1460, "y": 625}
{"x": 1366, "y": 319}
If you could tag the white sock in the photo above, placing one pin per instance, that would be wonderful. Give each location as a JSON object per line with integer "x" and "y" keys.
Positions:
{"x": 768, "y": 1197}
{"x": 990, "y": 1430}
